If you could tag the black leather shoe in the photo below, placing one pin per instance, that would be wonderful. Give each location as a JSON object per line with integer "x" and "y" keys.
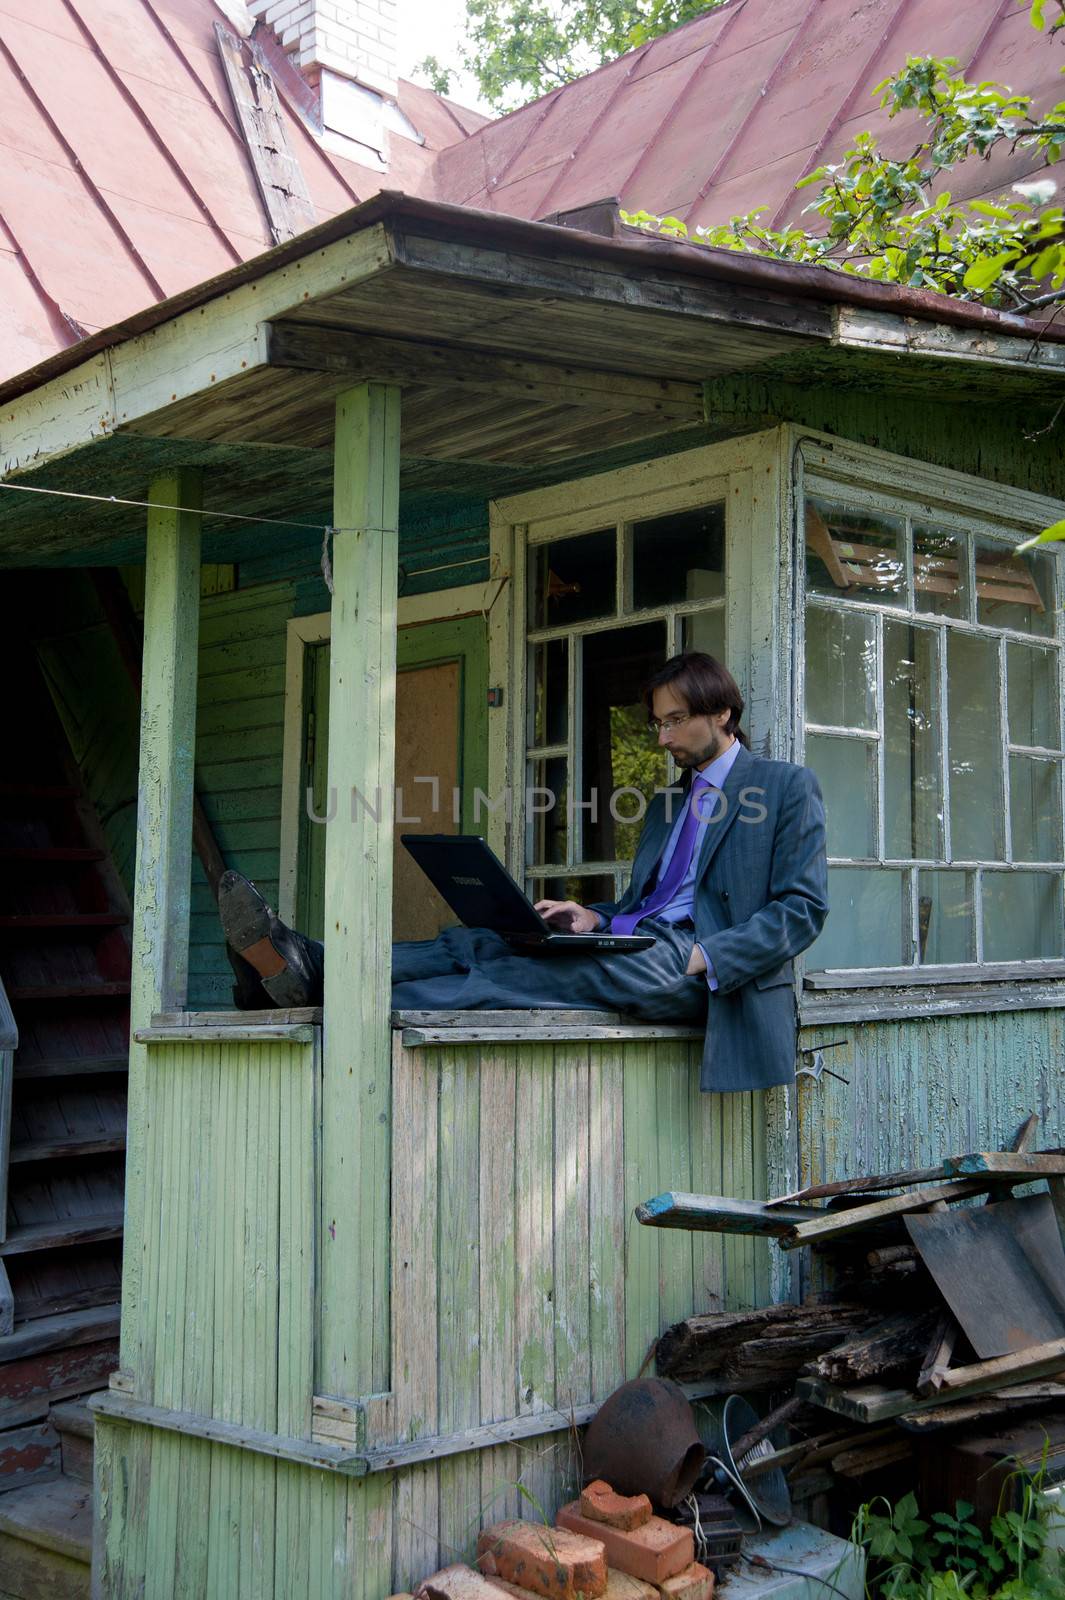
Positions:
{"x": 246, "y": 919}
{"x": 248, "y": 991}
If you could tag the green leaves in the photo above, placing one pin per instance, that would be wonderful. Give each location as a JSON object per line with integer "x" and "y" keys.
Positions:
{"x": 987, "y": 269}
{"x": 1050, "y": 535}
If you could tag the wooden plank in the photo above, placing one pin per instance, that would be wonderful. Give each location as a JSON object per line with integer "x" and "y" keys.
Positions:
{"x": 58, "y": 1235}
{"x": 329, "y": 1458}
{"x": 413, "y": 1037}
{"x": 840, "y": 1223}
{"x": 363, "y": 358}
{"x": 280, "y": 181}
{"x": 1021, "y": 1167}
{"x": 719, "y": 1214}
{"x": 279, "y": 1016}
{"x": 354, "y": 1356}
{"x": 858, "y": 327}
{"x": 875, "y": 1403}
{"x": 986, "y": 972}
{"x": 295, "y": 1033}
{"x": 923, "y": 1001}
{"x": 164, "y": 823}
{"x": 28, "y": 1455}
{"x": 870, "y": 1185}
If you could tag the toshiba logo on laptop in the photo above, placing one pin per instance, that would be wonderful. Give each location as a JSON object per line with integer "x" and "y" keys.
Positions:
{"x": 473, "y": 883}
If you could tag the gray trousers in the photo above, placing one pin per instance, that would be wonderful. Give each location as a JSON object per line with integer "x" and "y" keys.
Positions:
{"x": 470, "y": 969}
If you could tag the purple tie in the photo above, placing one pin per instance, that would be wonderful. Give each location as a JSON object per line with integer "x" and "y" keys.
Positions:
{"x": 679, "y": 862}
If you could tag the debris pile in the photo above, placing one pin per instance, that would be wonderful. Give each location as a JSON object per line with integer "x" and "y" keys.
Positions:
{"x": 947, "y": 1309}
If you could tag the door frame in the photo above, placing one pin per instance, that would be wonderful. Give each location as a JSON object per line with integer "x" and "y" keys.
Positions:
{"x": 428, "y": 632}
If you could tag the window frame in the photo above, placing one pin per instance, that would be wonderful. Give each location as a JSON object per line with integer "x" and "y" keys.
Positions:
{"x": 898, "y": 486}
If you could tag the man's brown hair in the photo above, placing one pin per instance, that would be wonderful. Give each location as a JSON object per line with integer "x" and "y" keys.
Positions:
{"x": 705, "y": 685}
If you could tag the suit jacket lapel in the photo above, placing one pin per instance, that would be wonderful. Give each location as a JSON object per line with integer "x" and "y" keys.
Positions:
{"x": 724, "y": 813}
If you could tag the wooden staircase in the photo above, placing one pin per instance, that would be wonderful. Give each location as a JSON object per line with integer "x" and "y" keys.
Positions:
{"x": 46, "y": 1525}
{"x": 65, "y": 966}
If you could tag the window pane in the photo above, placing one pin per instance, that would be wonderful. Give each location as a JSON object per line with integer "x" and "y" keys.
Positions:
{"x": 975, "y": 749}
{"x": 939, "y": 573}
{"x": 705, "y": 630}
{"x": 1014, "y": 591}
{"x": 618, "y": 751}
{"x": 855, "y": 552}
{"x": 946, "y": 928}
{"x": 840, "y": 668}
{"x": 847, "y": 771}
{"x": 1035, "y": 809}
{"x": 1032, "y": 695}
{"x": 1022, "y": 916}
{"x": 546, "y": 805}
{"x": 868, "y": 920}
{"x": 913, "y": 808}
{"x": 583, "y": 889}
{"x": 573, "y": 579}
{"x": 547, "y": 693}
{"x": 679, "y": 557}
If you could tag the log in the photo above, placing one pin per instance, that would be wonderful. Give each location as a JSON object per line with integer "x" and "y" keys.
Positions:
{"x": 897, "y": 1342}
{"x": 772, "y": 1342}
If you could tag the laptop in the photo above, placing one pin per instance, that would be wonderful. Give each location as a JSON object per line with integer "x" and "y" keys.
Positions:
{"x": 482, "y": 894}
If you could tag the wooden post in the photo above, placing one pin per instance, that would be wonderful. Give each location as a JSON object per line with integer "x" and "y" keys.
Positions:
{"x": 356, "y": 1098}
{"x": 164, "y": 833}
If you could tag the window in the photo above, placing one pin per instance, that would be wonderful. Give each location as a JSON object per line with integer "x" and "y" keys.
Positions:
{"x": 933, "y": 720}
{"x": 605, "y": 609}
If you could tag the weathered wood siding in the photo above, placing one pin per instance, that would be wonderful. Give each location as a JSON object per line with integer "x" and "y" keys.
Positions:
{"x": 520, "y": 1286}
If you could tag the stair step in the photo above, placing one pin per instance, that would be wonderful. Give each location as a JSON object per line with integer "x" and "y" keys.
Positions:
{"x": 73, "y": 1421}
{"x": 72, "y": 1144}
{"x": 54, "y": 1517}
{"x": 91, "y": 1325}
{"x": 69, "y": 1067}
{"x": 21, "y": 1240}
{"x": 51, "y": 852}
{"x": 68, "y": 991}
{"x": 67, "y": 920}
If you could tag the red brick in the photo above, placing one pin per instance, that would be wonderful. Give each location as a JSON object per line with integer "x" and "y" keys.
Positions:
{"x": 546, "y": 1561}
{"x": 694, "y": 1583}
{"x": 600, "y": 1504}
{"x": 619, "y": 1586}
{"x": 655, "y": 1552}
{"x": 457, "y": 1582}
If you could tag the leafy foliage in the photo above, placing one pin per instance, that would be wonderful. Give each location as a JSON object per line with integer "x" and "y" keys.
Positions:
{"x": 519, "y": 49}
{"x": 947, "y": 1557}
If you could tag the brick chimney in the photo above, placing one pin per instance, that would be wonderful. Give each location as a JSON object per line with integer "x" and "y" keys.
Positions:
{"x": 355, "y": 39}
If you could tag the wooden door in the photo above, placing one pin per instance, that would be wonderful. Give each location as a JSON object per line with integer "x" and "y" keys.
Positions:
{"x": 441, "y": 735}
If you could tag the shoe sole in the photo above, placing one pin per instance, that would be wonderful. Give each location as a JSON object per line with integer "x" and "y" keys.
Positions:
{"x": 244, "y": 915}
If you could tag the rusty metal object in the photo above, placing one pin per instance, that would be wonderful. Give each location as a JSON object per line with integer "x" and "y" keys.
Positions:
{"x": 643, "y": 1440}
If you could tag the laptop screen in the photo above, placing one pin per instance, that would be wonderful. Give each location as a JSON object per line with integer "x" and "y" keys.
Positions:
{"x": 474, "y": 882}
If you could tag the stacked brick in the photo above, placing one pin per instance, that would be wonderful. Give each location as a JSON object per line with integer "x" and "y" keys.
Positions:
{"x": 605, "y": 1546}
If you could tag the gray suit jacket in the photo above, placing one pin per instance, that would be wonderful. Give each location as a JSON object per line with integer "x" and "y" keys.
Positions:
{"x": 761, "y": 897}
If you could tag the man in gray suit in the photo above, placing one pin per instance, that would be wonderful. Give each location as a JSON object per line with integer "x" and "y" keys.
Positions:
{"x": 729, "y": 876}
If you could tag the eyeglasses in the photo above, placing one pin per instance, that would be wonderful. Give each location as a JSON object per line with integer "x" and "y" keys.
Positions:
{"x": 655, "y": 724}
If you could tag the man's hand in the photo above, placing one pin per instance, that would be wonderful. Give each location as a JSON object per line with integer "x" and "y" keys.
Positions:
{"x": 697, "y": 963}
{"x": 567, "y": 916}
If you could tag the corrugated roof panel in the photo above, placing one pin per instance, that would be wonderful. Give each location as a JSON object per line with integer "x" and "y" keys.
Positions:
{"x": 25, "y": 325}
{"x": 691, "y": 37}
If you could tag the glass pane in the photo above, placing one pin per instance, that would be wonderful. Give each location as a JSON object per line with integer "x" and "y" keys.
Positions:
{"x": 946, "y": 927}
{"x": 913, "y": 804}
{"x": 939, "y": 573}
{"x": 705, "y": 630}
{"x": 1032, "y": 696}
{"x": 975, "y": 749}
{"x": 546, "y": 809}
{"x": 847, "y": 771}
{"x": 618, "y": 753}
{"x": 1022, "y": 916}
{"x": 868, "y": 920}
{"x": 1014, "y": 591}
{"x": 679, "y": 557}
{"x": 855, "y": 552}
{"x": 573, "y": 579}
{"x": 1035, "y": 809}
{"x": 573, "y": 886}
{"x": 547, "y": 693}
{"x": 840, "y": 668}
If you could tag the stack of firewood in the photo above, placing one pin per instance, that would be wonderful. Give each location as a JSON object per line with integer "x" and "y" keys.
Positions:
{"x": 934, "y": 1313}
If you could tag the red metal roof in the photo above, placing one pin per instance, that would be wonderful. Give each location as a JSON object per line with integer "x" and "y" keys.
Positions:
{"x": 125, "y": 179}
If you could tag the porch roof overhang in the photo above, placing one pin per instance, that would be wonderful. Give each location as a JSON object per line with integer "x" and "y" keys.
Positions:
{"x": 526, "y": 351}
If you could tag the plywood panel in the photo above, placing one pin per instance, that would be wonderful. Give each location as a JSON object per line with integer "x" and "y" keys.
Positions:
{"x": 428, "y": 720}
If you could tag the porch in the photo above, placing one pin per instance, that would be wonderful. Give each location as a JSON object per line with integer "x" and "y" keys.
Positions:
{"x": 377, "y": 1266}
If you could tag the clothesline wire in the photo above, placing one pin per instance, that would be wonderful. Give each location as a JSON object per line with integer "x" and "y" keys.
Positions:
{"x": 158, "y": 505}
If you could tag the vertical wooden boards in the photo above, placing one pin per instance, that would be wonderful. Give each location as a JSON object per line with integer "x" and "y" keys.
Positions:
{"x": 458, "y": 1293}
{"x": 164, "y": 829}
{"x": 354, "y": 1355}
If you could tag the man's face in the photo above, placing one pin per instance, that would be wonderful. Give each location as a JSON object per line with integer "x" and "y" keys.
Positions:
{"x": 694, "y": 742}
